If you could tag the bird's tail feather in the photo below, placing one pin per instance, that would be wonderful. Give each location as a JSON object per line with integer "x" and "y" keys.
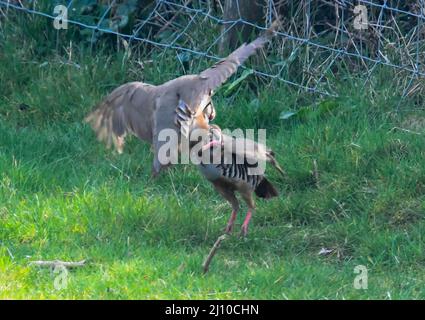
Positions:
{"x": 266, "y": 190}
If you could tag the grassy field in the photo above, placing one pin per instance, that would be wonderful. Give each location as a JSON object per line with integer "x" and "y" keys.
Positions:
{"x": 64, "y": 196}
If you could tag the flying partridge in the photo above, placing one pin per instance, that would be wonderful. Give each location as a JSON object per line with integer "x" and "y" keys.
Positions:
{"x": 144, "y": 110}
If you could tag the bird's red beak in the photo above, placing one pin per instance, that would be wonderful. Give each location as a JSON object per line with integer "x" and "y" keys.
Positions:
{"x": 215, "y": 140}
{"x": 211, "y": 144}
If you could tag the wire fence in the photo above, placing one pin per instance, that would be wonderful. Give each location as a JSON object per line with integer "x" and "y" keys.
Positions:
{"x": 315, "y": 40}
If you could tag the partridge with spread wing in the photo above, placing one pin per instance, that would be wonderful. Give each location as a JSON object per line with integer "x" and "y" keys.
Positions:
{"x": 144, "y": 110}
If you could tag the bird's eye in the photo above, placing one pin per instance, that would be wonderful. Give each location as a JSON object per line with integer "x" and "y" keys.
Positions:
{"x": 209, "y": 111}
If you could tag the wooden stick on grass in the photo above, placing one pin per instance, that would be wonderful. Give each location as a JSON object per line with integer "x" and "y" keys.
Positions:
{"x": 55, "y": 263}
{"x": 213, "y": 251}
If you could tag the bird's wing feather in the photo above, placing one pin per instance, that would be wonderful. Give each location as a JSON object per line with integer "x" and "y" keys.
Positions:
{"x": 222, "y": 70}
{"x": 127, "y": 109}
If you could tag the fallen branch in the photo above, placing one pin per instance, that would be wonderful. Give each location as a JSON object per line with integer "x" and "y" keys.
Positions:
{"x": 55, "y": 263}
{"x": 213, "y": 251}
{"x": 404, "y": 130}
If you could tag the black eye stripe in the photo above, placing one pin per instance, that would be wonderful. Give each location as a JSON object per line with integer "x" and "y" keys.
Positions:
{"x": 208, "y": 106}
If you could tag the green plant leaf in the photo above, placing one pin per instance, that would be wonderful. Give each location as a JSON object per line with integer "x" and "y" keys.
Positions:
{"x": 303, "y": 113}
{"x": 255, "y": 103}
{"x": 285, "y": 115}
{"x": 245, "y": 74}
{"x": 327, "y": 106}
{"x": 184, "y": 56}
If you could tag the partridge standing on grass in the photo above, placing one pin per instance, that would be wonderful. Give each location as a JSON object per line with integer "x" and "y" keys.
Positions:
{"x": 144, "y": 110}
{"x": 238, "y": 172}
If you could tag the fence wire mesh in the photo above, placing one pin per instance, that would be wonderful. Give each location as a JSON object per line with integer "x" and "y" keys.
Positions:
{"x": 317, "y": 42}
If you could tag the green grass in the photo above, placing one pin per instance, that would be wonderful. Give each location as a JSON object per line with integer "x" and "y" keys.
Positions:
{"x": 64, "y": 196}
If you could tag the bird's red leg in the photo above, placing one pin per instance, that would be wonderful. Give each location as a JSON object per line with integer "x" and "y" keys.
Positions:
{"x": 245, "y": 224}
{"x": 232, "y": 219}
{"x": 229, "y": 194}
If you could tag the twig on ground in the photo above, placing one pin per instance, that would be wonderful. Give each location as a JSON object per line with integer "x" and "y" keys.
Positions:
{"x": 404, "y": 130}
{"x": 55, "y": 263}
{"x": 213, "y": 251}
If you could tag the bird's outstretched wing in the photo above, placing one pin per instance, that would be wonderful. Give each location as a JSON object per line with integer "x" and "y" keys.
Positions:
{"x": 126, "y": 110}
{"x": 222, "y": 70}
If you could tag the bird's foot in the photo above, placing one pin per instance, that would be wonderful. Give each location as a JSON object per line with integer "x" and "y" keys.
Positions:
{"x": 244, "y": 230}
{"x": 229, "y": 227}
